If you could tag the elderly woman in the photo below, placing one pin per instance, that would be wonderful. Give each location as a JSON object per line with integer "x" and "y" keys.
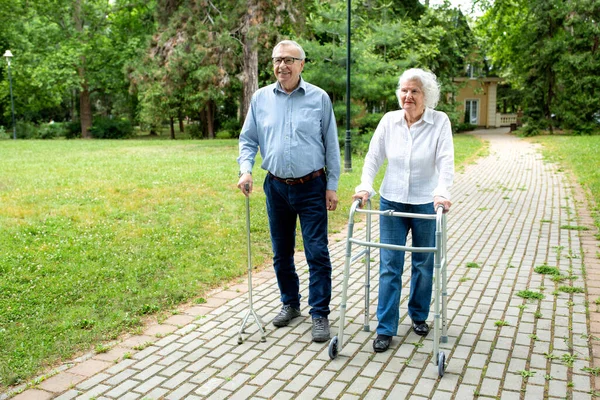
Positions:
{"x": 417, "y": 142}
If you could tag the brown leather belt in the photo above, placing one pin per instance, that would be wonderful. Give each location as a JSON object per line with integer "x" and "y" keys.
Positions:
{"x": 304, "y": 179}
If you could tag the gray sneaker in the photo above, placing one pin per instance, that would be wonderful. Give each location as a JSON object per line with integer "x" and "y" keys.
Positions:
{"x": 286, "y": 314}
{"x": 320, "y": 329}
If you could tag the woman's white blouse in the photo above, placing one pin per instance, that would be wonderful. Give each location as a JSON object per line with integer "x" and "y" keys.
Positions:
{"x": 420, "y": 158}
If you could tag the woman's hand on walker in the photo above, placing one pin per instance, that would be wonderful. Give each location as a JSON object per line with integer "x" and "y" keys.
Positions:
{"x": 441, "y": 201}
{"x": 363, "y": 196}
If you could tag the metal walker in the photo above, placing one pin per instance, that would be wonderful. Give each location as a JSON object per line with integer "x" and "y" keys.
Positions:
{"x": 440, "y": 275}
{"x": 250, "y": 311}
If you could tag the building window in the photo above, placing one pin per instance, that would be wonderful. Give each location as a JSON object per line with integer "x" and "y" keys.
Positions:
{"x": 472, "y": 111}
{"x": 473, "y": 71}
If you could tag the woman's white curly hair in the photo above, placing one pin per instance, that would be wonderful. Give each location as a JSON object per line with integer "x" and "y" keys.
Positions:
{"x": 429, "y": 84}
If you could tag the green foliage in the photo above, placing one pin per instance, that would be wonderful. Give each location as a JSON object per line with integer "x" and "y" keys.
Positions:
{"x": 368, "y": 123}
{"x": 108, "y": 128}
{"x": 359, "y": 143}
{"x": 191, "y": 63}
{"x": 575, "y": 227}
{"x": 51, "y": 131}
{"x": 194, "y": 131}
{"x": 230, "y": 128}
{"x": 547, "y": 270}
{"x": 526, "y": 373}
{"x": 464, "y": 127}
{"x": 90, "y": 47}
{"x": 595, "y": 371}
{"x": 26, "y": 130}
{"x": 3, "y": 134}
{"x": 73, "y": 129}
{"x": 528, "y": 294}
{"x": 547, "y": 50}
{"x": 571, "y": 289}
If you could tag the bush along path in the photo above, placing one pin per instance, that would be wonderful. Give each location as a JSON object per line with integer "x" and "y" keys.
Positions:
{"x": 523, "y": 315}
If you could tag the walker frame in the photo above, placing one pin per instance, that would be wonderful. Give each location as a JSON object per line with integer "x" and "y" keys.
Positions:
{"x": 440, "y": 293}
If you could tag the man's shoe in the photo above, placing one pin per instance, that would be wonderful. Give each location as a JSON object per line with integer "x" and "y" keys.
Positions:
{"x": 382, "y": 343}
{"x": 320, "y": 329}
{"x": 420, "y": 328}
{"x": 286, "y": 314}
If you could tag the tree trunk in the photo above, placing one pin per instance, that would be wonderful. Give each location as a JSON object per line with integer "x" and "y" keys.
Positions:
{"x": 181, "y": 127}
{"x": 250, "y": 73}
{"x": 85, "y": 108}
{"x": 85, "y": 104}
{"x": 210, "y": 119}
{"x": 74, "y": 99}
{"x": 172, "y": 126}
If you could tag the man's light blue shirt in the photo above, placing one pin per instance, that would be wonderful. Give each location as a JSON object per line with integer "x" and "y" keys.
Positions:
{"x": 296, "y": 133}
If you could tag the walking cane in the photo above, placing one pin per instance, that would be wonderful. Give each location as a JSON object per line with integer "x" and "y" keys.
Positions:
{"x": 250, "y": 311}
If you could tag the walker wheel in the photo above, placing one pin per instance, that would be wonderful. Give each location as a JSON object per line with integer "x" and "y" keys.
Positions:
{"x": 240, "y": 340}
{"x": 333, "y": 348}
{"x": 441, "y": 363}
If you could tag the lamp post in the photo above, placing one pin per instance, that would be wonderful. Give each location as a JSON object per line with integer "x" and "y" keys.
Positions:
{"x": 8, "y": 56}
{"x": 348, "y": 141}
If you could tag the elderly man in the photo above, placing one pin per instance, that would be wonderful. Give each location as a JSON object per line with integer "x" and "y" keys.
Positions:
{"x": 292, "y": 123}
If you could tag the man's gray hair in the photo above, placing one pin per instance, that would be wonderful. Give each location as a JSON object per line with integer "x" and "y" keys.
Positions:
{"x": 291, "y": 43}
{"x": 429, "y": 83}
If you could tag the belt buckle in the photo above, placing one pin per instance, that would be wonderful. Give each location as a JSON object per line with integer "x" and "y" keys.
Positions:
{"x": 289, "y": 181}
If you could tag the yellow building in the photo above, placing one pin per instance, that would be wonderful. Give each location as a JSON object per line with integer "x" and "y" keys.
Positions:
{"x": 477, "y": 99}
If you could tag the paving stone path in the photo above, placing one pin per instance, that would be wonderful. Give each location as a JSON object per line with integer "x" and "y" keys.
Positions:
{"x": 512, "y": 212}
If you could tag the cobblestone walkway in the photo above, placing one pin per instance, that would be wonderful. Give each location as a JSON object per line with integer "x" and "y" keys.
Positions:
{"x": 512, "y": 213}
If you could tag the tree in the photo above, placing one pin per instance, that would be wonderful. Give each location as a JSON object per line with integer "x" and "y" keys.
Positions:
{"x": 578, "y": 86}
{"x": 548, "y": 49}
{"x": 90, "y": 43}
{"x": 386, "y": 40}
{"x": 202, "y": 46}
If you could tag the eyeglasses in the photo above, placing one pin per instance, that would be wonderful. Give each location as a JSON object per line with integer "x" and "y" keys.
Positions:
{"x": 286, "y": 60}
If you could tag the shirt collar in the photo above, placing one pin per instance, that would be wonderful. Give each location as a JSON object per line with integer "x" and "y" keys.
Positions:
{"x": 427, "y": 117}
{"x": 301, "y": 86}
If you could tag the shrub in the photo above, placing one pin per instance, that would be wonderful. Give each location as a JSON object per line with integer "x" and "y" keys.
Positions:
{"x": 359, "y": 143}
{"x": 339, "y": 110}
{"x": 368, "y": 123}
{"x": 229, "y": 129}
{"x": 223, "y": 135}
{"x": 51, "y": 131}
{"x": 110, "y": 128}
{"x": 464, "y": 127}
{"x": 529, "y": 130}
{"x": 194, "y": 131}
{"x": 3, "y": 133}
{"x": 25, "y": 130}
{"x": 73, "y": 129}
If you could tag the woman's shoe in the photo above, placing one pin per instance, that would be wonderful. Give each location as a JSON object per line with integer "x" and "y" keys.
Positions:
{"x": 420, "y": 328}
{"x": 382, "y": 343}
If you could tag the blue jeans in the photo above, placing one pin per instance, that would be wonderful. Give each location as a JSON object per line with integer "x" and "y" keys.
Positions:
{"x": 394, "y": 230}
{"x": 285, "y": 204}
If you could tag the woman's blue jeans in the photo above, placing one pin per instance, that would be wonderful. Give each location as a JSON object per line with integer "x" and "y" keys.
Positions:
{"x": 286, "y": 204}
{"x": 394, "y": 230}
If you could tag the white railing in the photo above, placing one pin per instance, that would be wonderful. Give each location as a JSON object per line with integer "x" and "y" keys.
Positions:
{"x": 505, "y": 119}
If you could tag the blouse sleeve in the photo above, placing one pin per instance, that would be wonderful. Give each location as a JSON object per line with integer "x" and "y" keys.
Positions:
{"x": 374, "y": 159}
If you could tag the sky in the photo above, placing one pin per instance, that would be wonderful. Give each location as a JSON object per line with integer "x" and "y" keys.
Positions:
{"x": 464, "y": 5}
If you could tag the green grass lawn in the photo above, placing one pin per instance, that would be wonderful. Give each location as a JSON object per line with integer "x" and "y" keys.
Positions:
{"x": 97, "y": 235}
{"x": 581, "y": 155}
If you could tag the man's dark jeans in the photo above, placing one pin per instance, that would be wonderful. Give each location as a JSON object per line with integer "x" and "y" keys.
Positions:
{"x": 285, "y": 204}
